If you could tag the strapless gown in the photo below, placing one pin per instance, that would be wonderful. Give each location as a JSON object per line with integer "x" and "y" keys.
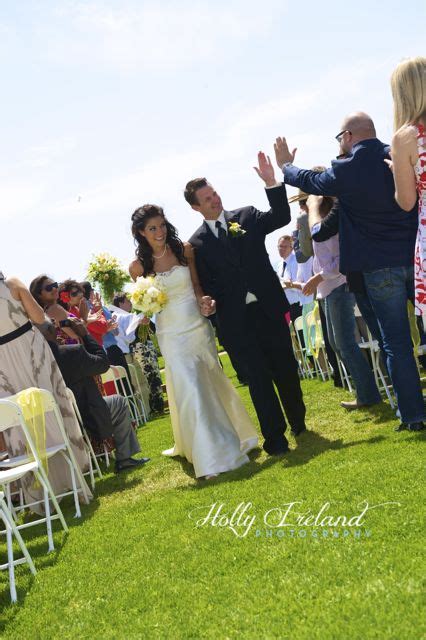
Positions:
{"x": 211, "y": 426}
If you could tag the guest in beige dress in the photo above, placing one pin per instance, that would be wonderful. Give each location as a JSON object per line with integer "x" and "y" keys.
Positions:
{"x": 27, "y": 361}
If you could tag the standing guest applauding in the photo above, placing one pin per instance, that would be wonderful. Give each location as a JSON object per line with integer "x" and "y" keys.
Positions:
{"x": 376, "y": 238}
{"x": 409, "y": 157}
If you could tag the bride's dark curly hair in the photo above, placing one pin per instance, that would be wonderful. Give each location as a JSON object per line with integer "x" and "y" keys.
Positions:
{"x": 140, "y": 220}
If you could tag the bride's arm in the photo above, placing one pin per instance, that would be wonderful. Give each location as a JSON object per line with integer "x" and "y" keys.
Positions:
{"x": 135, "y": 270}
{"x": 206, "y": 304}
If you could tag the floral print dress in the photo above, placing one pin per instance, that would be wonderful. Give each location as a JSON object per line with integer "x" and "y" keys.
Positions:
{"x": 420, "y": 250}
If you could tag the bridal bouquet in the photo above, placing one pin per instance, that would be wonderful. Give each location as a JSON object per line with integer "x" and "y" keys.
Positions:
{"x": 106, "y": 271}
{"x": 150, "y": 297}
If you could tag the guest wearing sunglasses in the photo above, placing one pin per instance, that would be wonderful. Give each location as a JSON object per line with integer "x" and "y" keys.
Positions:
{"x": 46, "y": 292}
{"x": 26, "y": 361}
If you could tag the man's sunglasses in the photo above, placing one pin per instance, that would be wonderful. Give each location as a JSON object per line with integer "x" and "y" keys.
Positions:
{"x": 50, "y": 287}
{"x": 341, "y": 134}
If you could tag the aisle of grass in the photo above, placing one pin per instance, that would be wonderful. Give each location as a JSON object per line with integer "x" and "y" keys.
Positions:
{"x": 136, "y": 566}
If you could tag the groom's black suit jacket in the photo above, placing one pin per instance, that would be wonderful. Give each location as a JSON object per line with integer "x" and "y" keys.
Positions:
{"x": 227, "y": 272}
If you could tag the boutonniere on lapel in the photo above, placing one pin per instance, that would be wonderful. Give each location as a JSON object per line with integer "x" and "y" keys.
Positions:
{"x": 235, "y": 229}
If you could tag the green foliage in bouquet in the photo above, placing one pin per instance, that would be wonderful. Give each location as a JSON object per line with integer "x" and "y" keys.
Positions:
{"x": 108, "y": 274}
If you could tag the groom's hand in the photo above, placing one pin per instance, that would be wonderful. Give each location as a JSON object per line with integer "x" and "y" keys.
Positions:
{"x": 282, "y": 152}
{"x": 265, "y": 170}
{"x": 207, "y": 306}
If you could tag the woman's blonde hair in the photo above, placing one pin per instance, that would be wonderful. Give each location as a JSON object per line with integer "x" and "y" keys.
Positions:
{"x": 408, "y": 83}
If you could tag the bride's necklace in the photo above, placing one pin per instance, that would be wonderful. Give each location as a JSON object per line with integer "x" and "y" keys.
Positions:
{"x": 163, "y": 254}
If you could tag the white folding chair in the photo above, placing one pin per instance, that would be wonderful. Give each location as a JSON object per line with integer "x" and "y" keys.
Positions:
{"x": 134, "y": 379}
{"x": 89, "y": 448}
{"x": 64, "y": 449}
{"x": 123, "y": 383}
{"x": 109, "y": 376}
{"x": 15, "y": 468}
{"x": 297, "y": 352}
{"x": 12, "y": 530}
{"x": 372, "y": 346}
{"x": 322, "y": 368}
{"x": 298, "y": 326}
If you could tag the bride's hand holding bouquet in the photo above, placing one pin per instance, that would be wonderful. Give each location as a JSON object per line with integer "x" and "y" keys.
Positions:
{"x": 148, "y": 296}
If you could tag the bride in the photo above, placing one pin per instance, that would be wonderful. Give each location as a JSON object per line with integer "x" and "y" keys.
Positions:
{"x": 211, "y": 427}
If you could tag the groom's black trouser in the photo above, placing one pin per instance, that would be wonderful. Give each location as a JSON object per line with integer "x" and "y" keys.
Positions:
{"x": 265, "y": 348}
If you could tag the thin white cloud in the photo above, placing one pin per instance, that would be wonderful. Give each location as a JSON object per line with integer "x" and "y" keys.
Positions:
{"x": 140, "y": 36}
{"x": 243, "y": 130}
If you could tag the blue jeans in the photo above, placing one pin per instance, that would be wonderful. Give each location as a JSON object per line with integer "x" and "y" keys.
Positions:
{"x": 339, "y": 313}
{"x": 389, "y": 291}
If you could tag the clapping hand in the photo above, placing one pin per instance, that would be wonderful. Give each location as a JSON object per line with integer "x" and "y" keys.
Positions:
{"x": 96, "y": 302}
{"x": 207, "y": 306}
{"x": 112, "y": 325}
{"x": 78, "y": 327}
{"x": 95, "y": 316}
{"x": 282, "y": 152}
{"x": 311, "y": 286}
{"x": 265, "y": 170}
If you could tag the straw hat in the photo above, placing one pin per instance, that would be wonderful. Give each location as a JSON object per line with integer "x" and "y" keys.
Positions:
{"x": 299, "y": 196}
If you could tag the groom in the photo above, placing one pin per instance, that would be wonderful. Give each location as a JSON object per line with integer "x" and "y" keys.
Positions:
{"x": 234, "y": 269}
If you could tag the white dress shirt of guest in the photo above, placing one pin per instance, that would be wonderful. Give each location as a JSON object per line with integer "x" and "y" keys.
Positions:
{"x": 128, "y": 322}
{"x": 286, "y": 268}
{"x": 304, "y": 272}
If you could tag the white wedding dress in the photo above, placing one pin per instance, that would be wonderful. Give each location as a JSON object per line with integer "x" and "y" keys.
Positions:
{"x": 211, "y": 427}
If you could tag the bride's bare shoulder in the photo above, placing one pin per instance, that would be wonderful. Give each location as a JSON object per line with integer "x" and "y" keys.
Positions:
{"x": 135, "y": 269}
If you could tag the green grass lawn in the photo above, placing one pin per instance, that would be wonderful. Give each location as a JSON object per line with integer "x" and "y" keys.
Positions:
{"x": 136, "y": 566}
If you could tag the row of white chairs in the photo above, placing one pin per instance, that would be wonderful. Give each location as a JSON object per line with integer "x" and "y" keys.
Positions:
{"x": 130, "y": 389}
{"x": 14, "y": 468}
{"x": 321, "y": 367}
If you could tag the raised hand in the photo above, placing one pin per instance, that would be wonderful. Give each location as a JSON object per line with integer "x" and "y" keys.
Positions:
{"x": 265, "y": 170}
{"x": 282, "y": 152}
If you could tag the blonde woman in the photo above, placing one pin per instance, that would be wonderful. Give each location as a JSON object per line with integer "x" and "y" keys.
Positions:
{"x": 408, "y": 84}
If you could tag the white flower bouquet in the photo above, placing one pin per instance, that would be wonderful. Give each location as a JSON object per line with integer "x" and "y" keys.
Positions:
{"x": 148, "y": 296}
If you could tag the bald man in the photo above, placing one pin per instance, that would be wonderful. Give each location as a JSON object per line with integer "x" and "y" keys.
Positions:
{"x": 376, "y": 240}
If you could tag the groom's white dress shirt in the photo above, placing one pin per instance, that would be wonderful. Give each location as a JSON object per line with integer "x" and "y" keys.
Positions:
{"x": 250, "y": 297}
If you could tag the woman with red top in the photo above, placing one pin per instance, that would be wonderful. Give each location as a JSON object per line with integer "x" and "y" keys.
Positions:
{"x": 71, "y": 297}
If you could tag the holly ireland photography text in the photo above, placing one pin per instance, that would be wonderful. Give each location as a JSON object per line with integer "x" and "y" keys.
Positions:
{"x": 288, "y": 519}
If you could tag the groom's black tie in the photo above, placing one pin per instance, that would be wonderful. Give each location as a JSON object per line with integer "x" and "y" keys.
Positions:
{"x": 284, "y": 266}
{"x": 221, "y": 233}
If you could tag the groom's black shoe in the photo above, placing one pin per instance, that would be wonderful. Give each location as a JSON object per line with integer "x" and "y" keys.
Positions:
{"x": 130, "y": 463}
{"x": 296, "y": 431}
{"x": 276, "y": 450}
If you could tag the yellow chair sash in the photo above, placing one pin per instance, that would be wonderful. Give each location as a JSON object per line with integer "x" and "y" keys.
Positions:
{"x": 31, "y": 403}
{"x": 314, "y": 331}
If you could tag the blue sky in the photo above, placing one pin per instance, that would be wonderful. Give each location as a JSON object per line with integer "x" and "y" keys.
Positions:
{"x": 108, "y": 105}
